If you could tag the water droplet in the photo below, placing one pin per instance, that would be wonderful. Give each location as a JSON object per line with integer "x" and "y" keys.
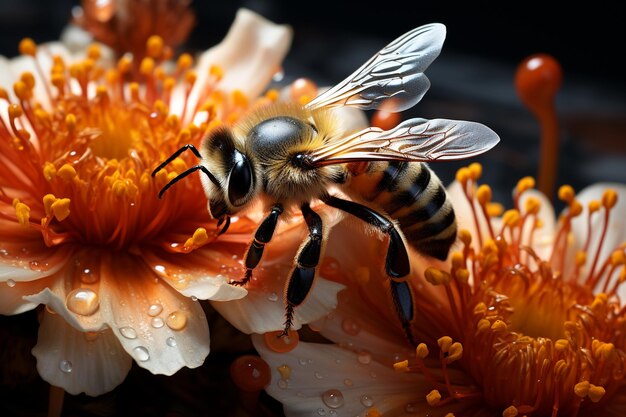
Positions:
{"x": 283, "y": 383}
{"x": 364, "y": 357}
{"x": 128, "y": 332}
{"x": 4, "y": 252}
{"x": 171, "y": 342}
{"x": 333, "y": 398}
{"x": 321, "y": 412}
{"x": 10, "y": 283}
{"x": 82, "y": 301}
{"x": 332, "y": 413}
{"x": 367, "y": 400}
{"x": 159, "y": 268}
{"x": 34, "y": 265}
{"x": 302, "y": 361}
{"x": 65, "y": 366}
{"x": 272, "y": 297}
{"x": 157, "y": 322}
{"x": 194, "y": 298}
{"x": 284, "y": 371}
{"x": 176, "y": 320}
{"x": 350, "y": 326}
{"x": 141, "y": 353}
{"x": 347, "y": 382}
{"x": 318, "y": 375}
{"x": 277, "y": 77}
{"x": 89, "y": 276}
{"x": 155, "y": 310}
{"x": 410, "y": 408}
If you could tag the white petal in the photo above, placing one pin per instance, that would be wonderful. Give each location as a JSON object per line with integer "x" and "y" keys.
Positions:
{"x": 12, "y": 295}
{"x": 317, "y": 368}
{"x": 79, "y": 362}
{"x": 20, "y": 270}
{"x": 250, "y": 54}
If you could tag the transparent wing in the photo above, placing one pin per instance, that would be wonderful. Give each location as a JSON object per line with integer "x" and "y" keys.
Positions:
{"x": 395, "y": 74}
{"x": 413, "y": 140}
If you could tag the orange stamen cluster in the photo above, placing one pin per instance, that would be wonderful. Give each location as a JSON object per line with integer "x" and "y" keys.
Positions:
{"x": 552, "y": 326}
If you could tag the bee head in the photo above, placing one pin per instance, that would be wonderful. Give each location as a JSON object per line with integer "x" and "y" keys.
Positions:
{"x": 234, "y": 172}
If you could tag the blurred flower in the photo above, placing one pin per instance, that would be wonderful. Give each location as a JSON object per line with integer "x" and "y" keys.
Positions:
{"x": 526, "y": 318}
{"x": 81, "y": 229}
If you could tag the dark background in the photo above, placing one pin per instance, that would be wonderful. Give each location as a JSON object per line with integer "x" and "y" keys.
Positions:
{"x": 472, "y": 79}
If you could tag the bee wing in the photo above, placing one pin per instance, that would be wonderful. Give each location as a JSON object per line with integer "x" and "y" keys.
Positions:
{"x": 396, "y": 73}
{"x": 412, "y": 140}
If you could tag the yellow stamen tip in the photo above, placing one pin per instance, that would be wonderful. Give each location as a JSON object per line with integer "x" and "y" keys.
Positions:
{"x": 94, "y": 52}
{"x": 146, "y": 68}
{"x": 216, "y": 71}
{"x": 566, "y": 193}
{"x": 449, "y": 415}
{"x": 465, "y": 236}
{"x": 28, "y": 78}
{"x": 185, "y": 61}
{"x": 594, "y": 205}
{"x": 124, "y": 65}
{"x": 191, "y": 77}
{"x": 444, "y": 343}
{"x": 48, "y": 199}
{"x": 511, "y": 218}
{"x": 433, "y": 398}
{"x": 618, "y": 257}
{"x": 21, "y": 90}
{"x": 200, "y": 237}
{"x": 455, "y": 353}
{"x": 458, "y": 260}
{"x": 22, "y": 211}
{"x": 4, "y": 95}
{"x": 27, "y": 46}
{"x": 239, "y": 98}
{"x": 436, "y": 276}
{"x": 154, "y": 46}
{"x": 119, "y": 188}
{"x": 272, "y": 94}
{"x": 401, "y": 366}
{"x": 532, "y": 205}
{"x": 482, "y": 325}
{"x": 596, "y": 393}
{"x": 499, "y": 326}
{"x": 462, "y": 275}
{"x": 582, "y": 389}
{"x": 510, "y": 412}
{"x": 15, "y": 111}
{"x": 475, "y": 170}
{"x": 581, "y": 258}
{"x": 609, "y": 198}
{"x": 524, "y": 184}
{"x": 480, "y": 309}
{"x": 49, "y": 171}
{"x": 421, "y": 350}
{"x": 575, "y": 208}
{"x": 561, "y": 345}
{"x": 67, "y": 172}
{"x": 495, "y": 209}
{"x": 61, "y": 208}
{"x": 463, "y": 175}
{"x": 484, "y": 194}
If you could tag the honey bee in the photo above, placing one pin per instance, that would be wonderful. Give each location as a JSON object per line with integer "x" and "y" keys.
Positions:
{"x": 291, "y": 155}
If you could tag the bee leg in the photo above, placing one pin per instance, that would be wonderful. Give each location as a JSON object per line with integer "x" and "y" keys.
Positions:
{"x": 303, "y": 275}
{"x": 397, "y": 263}
{"x": 262, "y": 236}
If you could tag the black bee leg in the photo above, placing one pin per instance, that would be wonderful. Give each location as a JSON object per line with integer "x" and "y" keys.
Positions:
{"x": 262, "y": 236}
{"x": 397, "y": 263}
{"x": 303, "y": 275}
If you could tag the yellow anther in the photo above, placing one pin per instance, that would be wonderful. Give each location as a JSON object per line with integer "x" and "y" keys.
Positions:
{"x": 560, "y": 368}
{"x": 582, "y": 389}
{"x": 94, "y": 52}
{"x": 272, "y": 94}
{"x": 524, "y": 184}
{"x": 27, "y": 47}
{"x": 61, "y": 208}
{"x": 161, "y": 107}
{"x": 58, "y": 80}
{"x": 581, "y": 258}
{"x": 594, "y": 205}
{"x": 605, "y": 351}
{"x": 495, "y": 209}
{"x": 401, "y": 366}
{"x": 463, "y": 175}
{"x": 421, "y": 350}
{"x": 216, "y": 72}
{"x": 433, "y": 398}
{"x": 49, "y": 171}
{"x": 240, "y": 99}
{"x": 184, "y": 135}
{"x": 480, "y": 309}
{"x": 124, "y": 64}
{"x": 144, "y": 181}
{"x": 146, "y": 68}
{"x": 28, "y": 78}
{"x": 154, "y": 46}
{"x": 70, "y": 122}
{"x": 449, "y": 415}
{"x": 200, "y": 237}
{"x": 48, "y": 199}
{"x": 88, "y": 64}
{"x": 465, "y": 236}
{"x": 499, "y": 326}
{"x": 532, "y": 205}
{"x": 436, "y": 276}
{"x": 462, "y": 275}
{"x": 15, "y": 111}
{"x": 511, "y": 218}
{"x": 102, "y": 92}
{"x": 21, "y": 90}
{"x": 4, "y": 95}
{"x": 490, "y": 247}
{"x": 444, "y": 343}
{"x": 373, "y": 412}
{"x": 191, "y": 77}
{"x": 119, "y": 188}
{"x": 193, "y": 129}
{"x": 596, "y": 393}
{"x": 22, "y": 211}
{"x": 575, "y": 208}
{"x": 455, "y": 352}
{"x": 484, "y": 194}
{"x": 67, "y": 172}
{"x": 134, "y": 91}
{"x": 457, "y": 259}
{"x": 561, "y": 345}
{"x": 172, "y": 122}
{"x": 304, "y": 99}
{"x": 510, "y": 411}
{"x": 566, "y": 193}
{"x": 609, "y": 198}
{"x": 475, "y": 170}
{"x": 482, "y": 325}
{"x": 185, "y": 61}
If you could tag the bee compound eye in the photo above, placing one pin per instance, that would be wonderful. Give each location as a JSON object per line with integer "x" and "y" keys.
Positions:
{"x": 240, "y": 180}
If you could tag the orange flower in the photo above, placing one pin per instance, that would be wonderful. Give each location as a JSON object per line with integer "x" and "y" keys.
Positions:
{"x": 81, "y": 228}
{"x": 526, "y": 318}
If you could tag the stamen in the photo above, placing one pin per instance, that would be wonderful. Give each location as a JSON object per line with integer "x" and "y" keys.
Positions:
{"x": 22, "y": 211}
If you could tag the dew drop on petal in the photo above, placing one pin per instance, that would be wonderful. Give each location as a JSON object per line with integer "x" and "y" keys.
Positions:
{"x": 347, "y": 382}
{"x": 128, "y": 332}
{"x": 350, "y": 326}
{"x": 333, "y": 398}
{"x": 171, "y": 342}
{"x": 141, "y": 353}
{"x": 82, "y": 301}
{"x": 321, "y": 412}
{"x": 250, "y": 373}
{"x": 65, "y": 366}
{"x": 318, "y": 375}
{"x": 176, "y": 320}
{"x": 272, "y": 297}
{"x": 367, "y": 400}
{"x": 364, "y": 357}
{"x": 155, "y": 309}
{"x": 89, "y": 276}
{"x": 282, "y": 383}
{"x": 157, "y": 322}
{"x": 11, "y": 283}
{"x": 34, "y": 265}
{"x": 281, "y": 344}
{"x": 194, "y": 298}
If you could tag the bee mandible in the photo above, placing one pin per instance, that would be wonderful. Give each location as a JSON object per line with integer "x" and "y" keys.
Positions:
{"x": 292, "y": 155}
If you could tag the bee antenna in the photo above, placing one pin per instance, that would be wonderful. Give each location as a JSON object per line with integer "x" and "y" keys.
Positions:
{"x": 182, "y": 175}
{"x": 187, "y": 147}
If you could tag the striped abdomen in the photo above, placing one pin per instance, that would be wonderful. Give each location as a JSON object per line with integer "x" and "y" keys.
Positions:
{"x": 413, "y": 195}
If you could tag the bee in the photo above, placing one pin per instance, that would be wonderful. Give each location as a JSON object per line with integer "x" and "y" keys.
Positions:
{"x": 292, "y": 155}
